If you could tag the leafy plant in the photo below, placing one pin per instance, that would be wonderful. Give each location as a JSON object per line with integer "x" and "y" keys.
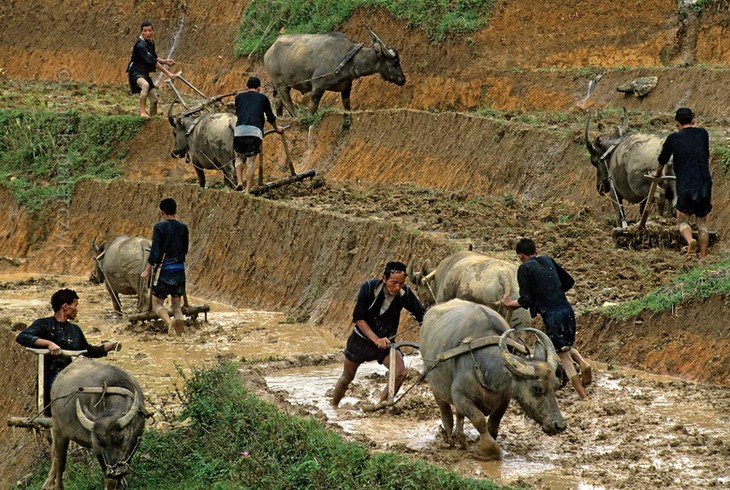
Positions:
{"x": 263, "y": 20}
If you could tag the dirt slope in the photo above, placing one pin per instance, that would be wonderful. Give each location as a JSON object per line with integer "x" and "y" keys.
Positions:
{"x": 481, "y": 181}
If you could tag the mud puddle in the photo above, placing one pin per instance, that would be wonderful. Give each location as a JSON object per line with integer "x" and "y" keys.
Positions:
{"x": 153, "y": 357}
{"x": 636, "y": 431}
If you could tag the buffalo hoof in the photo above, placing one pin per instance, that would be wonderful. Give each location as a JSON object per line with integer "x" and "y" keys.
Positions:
{"x": 488, "y": 450}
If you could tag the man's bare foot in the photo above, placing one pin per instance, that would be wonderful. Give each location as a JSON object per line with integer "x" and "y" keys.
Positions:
{"x": 144, "y": 115}
{"x": 692, "y": 247}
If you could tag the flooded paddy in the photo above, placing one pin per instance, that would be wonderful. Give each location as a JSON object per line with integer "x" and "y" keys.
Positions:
{"x": 637, "y": 430}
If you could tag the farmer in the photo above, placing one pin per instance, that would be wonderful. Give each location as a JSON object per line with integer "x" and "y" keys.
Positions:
{"x": 168, "y": 251}
{"x": 376, "y": 316}
{"x": 543, "y": 283}
{"x": 56, "y": 333}
{"x": 144, "y": 60}
{"x": 251, "y": 108}
{"x": 690, "y": 147}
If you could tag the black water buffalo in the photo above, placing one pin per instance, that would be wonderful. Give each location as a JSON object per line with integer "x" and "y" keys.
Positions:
{"x": 624, "y": 159}
{"x": 475, "y": 277}
{"x": 326, "y": 62}
{"x": 101, "y": 407}
{"x": 206, "y": 141}
{"x": 119, "y": 262}
{"x": 481, "y": 382}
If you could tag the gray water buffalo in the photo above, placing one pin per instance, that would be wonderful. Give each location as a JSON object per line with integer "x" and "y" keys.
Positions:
{"x": 481, "y": 381}
{"x": 624, "y": 159}
{"x": 206, "y": 141}
{"x": 475, "y": 277}
{"x": 101, "y": 407}
{"x": 326, "y": 62}
{"x": 119, "y": 262}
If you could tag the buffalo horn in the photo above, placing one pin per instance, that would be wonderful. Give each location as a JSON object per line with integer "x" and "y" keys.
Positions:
{"x": 515, "y": 364}
{"x": 131, "y": 413}
{"x": 552, "y": 356}
{"x": 410, "y": 269}
{"x": 85, "y": 421}
{"x": 589, "y": 144}
{"x": 94, "y": 247}
{"x": 389, "y": 52}
{"x": 429, "y": 277}
{"x": 169, "y": 113}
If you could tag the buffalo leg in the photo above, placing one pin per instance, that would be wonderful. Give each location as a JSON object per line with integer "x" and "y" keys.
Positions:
{"x": 488, "y": 448}
{"x": 347, "y": 121}
{"x": 459, "y": 436}
{"x": 317, "y": 94}
{"x": 58, "y": 463}
{"x": 494, "y": 420}
{"x": 200, "y": 174}
{"x": 447, "y": 420}
{"x": 286, "y": 99}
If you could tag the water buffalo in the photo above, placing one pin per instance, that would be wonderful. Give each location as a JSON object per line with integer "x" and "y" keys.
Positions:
{"x": 206, "y": 141}
{"x": 481, "y": 382}
{"x": 119, "y": 262}
{"x": 326, "y": 62}
{"x": 623, "y": 159}
{"x": 101, "y": 407}
{"x": 473, "y": 277}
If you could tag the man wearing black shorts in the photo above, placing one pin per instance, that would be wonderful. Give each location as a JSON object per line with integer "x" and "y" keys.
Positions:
{"x": 543, "y": 283}
{"x": 251, "y": 108}
{"x": 376, "y": 316}
{"x": 168, "y": 251}
{"x": 690, "y": 148}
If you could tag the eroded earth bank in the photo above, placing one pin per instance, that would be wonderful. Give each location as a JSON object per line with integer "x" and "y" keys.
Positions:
{"x": 483, "y": 145}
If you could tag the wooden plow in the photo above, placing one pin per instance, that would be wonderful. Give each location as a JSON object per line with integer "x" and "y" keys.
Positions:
{"x": 40, "y": 420}
{"x": 210, "y": 104}
{"x": 644, "y": 234}
{"x": 293, "y": 177}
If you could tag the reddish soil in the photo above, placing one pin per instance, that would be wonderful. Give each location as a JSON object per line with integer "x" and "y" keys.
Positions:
{"x": 416, "y": 176}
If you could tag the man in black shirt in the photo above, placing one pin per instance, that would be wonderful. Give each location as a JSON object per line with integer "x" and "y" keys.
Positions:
{"x": 376, "y": 317}
{"x": 57, "y": 333}
{"x": 144, "y": 60}
{"x": 251, "y": 108}
{"x": 169, "y": 247}
{"x": 543, "y": 283}
{"x": 690, "y": 149}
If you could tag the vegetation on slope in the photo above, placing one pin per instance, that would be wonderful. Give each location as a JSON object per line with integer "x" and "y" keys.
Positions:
{"x": 238, "y": 441}
{"x": 263, "y": 20}
{"x": 700, "y": 283}
{"x": 43, "y": 154}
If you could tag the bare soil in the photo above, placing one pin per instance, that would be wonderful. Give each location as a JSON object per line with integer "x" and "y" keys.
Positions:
{"x": 419, "y": 174}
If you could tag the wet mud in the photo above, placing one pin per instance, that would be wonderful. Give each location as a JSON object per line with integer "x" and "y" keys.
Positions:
{"x": 637, "y": 430}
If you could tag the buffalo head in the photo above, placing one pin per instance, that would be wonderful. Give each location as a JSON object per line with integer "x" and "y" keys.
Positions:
{"x": 114, "y": 438}
{"x": 388, "y": 61}
{"x": 182, "y": 126}
{"x": 421, "y": 280}
{"x": 97, "y": 273}
{"x": 603, "y": 144}
{"x": 534, "y": 382}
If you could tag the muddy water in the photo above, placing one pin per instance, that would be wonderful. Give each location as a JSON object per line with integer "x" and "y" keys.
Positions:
{"x": 147, "y": 351}
{"x": 636, "y": 431}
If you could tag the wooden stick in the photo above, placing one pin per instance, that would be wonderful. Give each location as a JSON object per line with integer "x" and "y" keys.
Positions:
{"x": 281, "y": 182}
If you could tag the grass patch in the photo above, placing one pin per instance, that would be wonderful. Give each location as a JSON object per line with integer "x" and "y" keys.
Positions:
{"x": 238, "y": 441}
{"x": 263, "y": 20}
{"x": 44, "y": 154}
{"x": 698, "y": 284}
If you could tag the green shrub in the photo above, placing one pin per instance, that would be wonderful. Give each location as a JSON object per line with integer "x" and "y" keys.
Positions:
{"x": 264, "y": 20}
